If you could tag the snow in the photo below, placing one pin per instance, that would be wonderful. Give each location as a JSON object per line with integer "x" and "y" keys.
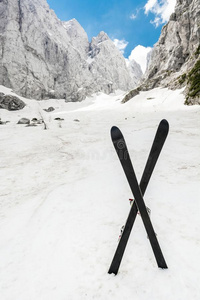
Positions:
{"x": 89, "y": 60}
{"x": 64, "y": 198}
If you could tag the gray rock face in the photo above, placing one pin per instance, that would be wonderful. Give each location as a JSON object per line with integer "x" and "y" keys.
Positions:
{"x": 174, "y": 53}
{"x": 43, "y": 57}
{"x": 174, "y": 61}
{"x": 107, "y": 65}
{"x": 135, "y": 71}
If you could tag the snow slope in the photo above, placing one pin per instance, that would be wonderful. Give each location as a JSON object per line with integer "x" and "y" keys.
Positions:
{"x": 64, "y": 198}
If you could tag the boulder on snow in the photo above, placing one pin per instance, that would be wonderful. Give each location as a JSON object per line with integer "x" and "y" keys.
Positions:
{"x": 1, "y": 96}
{"x": 34, "y": 120}
{"x": 3, "y": 122}
{"x": 49, "y": 109}
{"x": 23, "y": 121}
{"x": 37, "y": 121}
{"x": 10, "y": 102}
{"x": 59, "y": 119}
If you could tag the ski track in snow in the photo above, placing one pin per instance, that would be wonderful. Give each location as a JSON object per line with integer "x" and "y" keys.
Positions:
{"x": 64, "y": 199}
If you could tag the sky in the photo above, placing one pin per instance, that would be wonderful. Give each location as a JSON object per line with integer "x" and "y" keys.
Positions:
{"x": 133, "y": 25}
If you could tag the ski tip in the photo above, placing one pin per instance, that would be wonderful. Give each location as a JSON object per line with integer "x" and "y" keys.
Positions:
{"x": 115, "y": 133}
{"x": 165, "y": 123}
{"x": 114, "y": 128}
{"x": 164, "y": 126}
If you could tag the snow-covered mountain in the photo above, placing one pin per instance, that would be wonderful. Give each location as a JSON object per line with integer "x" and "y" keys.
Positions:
{"x": 41, "y": 56}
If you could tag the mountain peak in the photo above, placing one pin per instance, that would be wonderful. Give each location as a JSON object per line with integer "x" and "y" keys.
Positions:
{"x": 101, "y": 37}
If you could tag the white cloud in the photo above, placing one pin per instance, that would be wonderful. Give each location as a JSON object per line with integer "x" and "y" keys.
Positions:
{"x": 150, "y": 5}
{"x": 139, "y": 54}
{"x": 120, "y": 44}
{"x": 133, "y": 17}
{"x": 135, "y": 14}
{"x": 162, "y": 10}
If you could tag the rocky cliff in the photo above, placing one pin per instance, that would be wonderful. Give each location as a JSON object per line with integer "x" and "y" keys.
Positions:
{"x": 41, "y": 56}
{"x": 174, "y": 60}
{"x": 135, "y": 71}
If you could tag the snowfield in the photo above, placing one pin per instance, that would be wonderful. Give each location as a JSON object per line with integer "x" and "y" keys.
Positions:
{"x": 64, "y": 198}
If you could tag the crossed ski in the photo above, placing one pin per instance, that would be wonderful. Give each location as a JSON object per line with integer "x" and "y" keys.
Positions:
{"x": 138, "y": 192}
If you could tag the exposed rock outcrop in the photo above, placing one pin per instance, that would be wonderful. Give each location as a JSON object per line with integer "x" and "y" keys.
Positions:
{"x": 135, "y": 71}
{"x": 24, "y": 121}
{"x": 10, "y": 102}
{"x": 49, "y": 109}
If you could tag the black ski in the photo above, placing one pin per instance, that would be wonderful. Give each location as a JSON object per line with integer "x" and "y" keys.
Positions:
{"x": 122, "y": 152}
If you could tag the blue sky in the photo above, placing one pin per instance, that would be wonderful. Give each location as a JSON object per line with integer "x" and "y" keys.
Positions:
{"x": 129, "y": 22}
